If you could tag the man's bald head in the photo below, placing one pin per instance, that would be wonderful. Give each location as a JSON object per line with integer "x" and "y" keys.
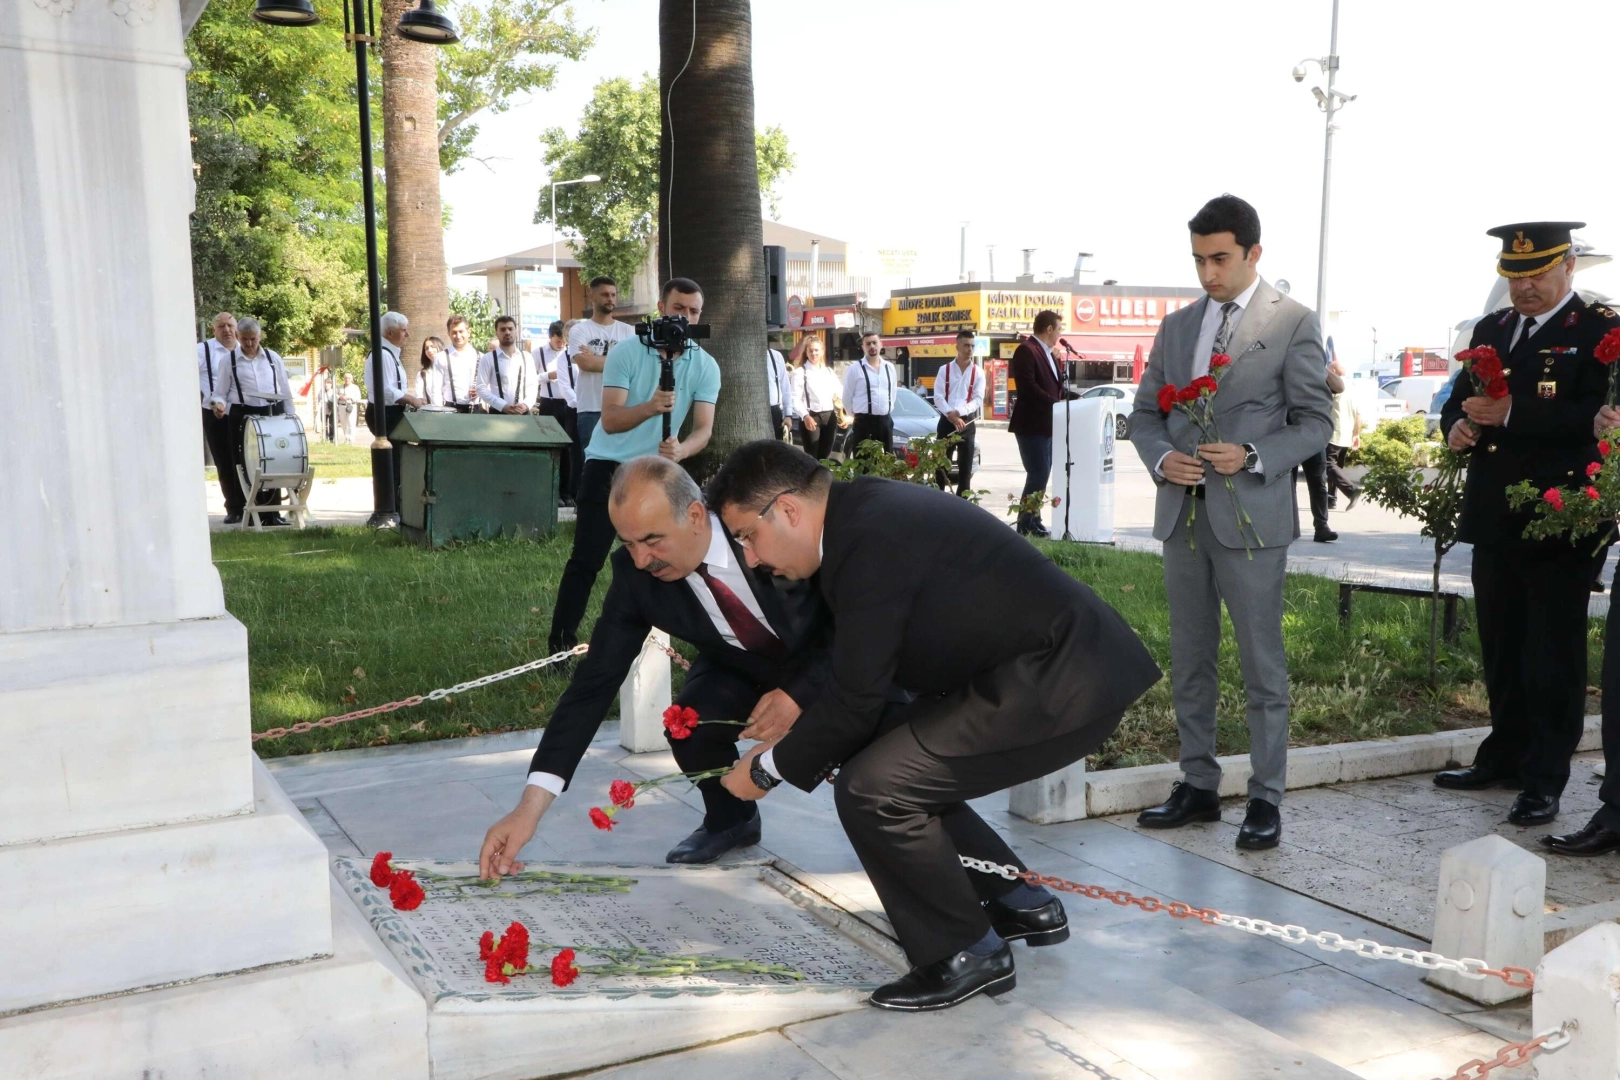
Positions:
{"x": 658, "y": 511}
{"x": 225, "y": 329}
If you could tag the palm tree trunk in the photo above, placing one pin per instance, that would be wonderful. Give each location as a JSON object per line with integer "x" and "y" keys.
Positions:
{"x": 709, "y": 211}
{"x": 417, "y": 287}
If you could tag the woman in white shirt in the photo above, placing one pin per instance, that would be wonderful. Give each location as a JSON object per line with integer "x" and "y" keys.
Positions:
{"x": 431, "y": 378}
{"x": 817, "y": 400}
{"x": 348, "y": 401}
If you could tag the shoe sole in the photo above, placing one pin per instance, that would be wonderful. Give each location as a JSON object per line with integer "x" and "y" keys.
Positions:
{"x": 1203, "y": 816}
{"x": 992, "y": 989}
{"x": 1258, "y": 847}
{"x": 1037, "y": 938}
{"x": 1579, "y": 854}
{"x": 713, "y": 858}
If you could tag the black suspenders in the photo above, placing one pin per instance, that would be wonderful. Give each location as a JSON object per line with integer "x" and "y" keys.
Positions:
{"x": 236, "y": 379}
{"x": 208, "y": 359}
{"x": 450, "y": 371}
{"x": 888, "y": 383}
{"x": 495, "y": 362}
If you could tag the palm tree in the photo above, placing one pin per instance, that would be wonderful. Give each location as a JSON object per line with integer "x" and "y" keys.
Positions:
{"x": 709, "y": 210}
{"x": 416, "y": 278}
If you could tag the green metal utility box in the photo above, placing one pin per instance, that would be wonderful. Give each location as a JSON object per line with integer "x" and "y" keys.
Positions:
{"x": 470, "y": 475}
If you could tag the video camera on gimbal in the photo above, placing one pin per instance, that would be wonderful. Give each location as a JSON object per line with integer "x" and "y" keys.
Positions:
{"x": 670, "y": 333}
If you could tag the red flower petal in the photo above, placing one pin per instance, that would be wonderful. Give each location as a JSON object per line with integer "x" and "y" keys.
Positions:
{"x": 404, "y": 891}
{"x": 381, "y": 873}
{"x": 1592, "y": 469}
{"x": 1167, "y": 397}
{"x": 563, "y": 970}
{"x": 486, "y": 945}
{"x": 1554, "y": 498}
{"x": 623, "y": 793}
{"x": 1608, "y": 350}
{"x": 1218, "y": 361}
{"x": 492, "y": 971}
{"x": 1592, "y": 493}
{"x": 600, "y": 819}
{"x": 1497, "y": 388}
{"x": 514, "y": 947}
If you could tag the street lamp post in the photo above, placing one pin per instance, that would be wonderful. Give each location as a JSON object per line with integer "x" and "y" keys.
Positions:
{"x": 1330, "y": 102}
{"x": 588, "y": 178}
{"x": 426, "y": 25}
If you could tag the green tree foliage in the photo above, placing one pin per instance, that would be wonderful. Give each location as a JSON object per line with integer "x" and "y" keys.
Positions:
{"x": 502, "y": 54}
{"x": 618, "y": 141}
{"x": 479, "y": 309}
{"x": 277, "y": 232}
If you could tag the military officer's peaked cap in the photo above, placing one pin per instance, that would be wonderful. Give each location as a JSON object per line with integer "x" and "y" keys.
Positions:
{"x": 1533, "y": 247}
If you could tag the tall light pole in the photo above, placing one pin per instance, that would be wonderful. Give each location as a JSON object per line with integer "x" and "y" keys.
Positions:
{"x": 1330, "y": 102}
{"x": 428, "y": 26}
{"x": 589, "y": 178}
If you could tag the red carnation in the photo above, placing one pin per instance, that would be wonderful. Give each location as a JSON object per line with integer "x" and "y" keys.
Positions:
{"x": 493, "y": 972}
{"x": 1592, "y": 469}
{"x": 1604, "y": 447}
{"x": 1187, "y": 393}
{"x": 1167, "y": 397}
{"x": 1487, "y": 365}
{"x": 679, "y": 721}
{"x": 1218, "y": 361}
{"x": 486, "y": 945}
{"x": 514, "y": 947}
{"x": 563, "y": 970}
{"x": 1554, "y": 498}
{"x": 600, "y": 819}
{"x": 1496, "y": 388}
{"x": 405, "y": 893}
{"x": 1592, "y": 493}
{"x": 1608, "y": 350}
{"x": 1057, "y": 500}
{"x": 623, "y": 793}
{"x": 1203, "y": 383}
{"x": 911, "y": 460}
{"x": 381, "y": 873}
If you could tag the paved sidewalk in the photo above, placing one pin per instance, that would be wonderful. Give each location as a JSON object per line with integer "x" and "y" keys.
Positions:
{"x": 1132, "y": 995}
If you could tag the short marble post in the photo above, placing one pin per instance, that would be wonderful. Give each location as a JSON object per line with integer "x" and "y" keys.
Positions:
{"x": 1492, "y": 896}
{"x": 1059, "y": 796}
{"x": 1580, "y": 981}
{"x": 644, "y": 696}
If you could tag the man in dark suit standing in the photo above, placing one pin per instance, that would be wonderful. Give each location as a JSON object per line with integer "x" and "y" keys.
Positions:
{"x": 761, "y": 644}
{"x": 1035, "y": 372}
{"x": 1018, "y": 669}
{"x": 1530, "y": 595}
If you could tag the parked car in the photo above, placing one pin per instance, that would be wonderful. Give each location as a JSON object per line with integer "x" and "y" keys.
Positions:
{"x": 914, "y": 418}
{"x": 1438, "y": 402}
{"x": 1124, "y": 395}
{"x": 1416, "y": 390}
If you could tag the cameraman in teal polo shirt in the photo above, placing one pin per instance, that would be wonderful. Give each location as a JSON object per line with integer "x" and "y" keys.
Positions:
{"x": 633, "y": 410}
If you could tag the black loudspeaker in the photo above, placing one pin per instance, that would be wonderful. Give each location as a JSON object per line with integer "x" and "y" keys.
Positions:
{"x": 775, "y": 287}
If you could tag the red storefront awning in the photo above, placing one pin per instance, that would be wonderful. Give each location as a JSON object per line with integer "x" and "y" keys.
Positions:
{"x": 1107, "y": 346}
{"x": 919, "y": 339}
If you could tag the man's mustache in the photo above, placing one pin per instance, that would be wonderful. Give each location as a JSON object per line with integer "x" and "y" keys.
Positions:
{"x": 657, "y": 565}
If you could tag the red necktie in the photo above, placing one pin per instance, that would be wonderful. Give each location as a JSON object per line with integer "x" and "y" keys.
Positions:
{"x": 750, "y": 632}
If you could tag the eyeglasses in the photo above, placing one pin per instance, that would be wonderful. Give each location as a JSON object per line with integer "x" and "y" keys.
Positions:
{"x": 746, "y": 541}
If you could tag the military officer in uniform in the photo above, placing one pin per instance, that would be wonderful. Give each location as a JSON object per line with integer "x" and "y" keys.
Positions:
{"x": 1530, "y": 595}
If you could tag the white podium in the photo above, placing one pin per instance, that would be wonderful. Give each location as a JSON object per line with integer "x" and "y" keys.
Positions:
{"x": 1083, "y": 470}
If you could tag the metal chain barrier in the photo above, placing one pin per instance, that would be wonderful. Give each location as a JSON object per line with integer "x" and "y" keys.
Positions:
{"x": 417, "y": 699}
{"x": 1517, "y": 977}
{"x": 1513, "y": 1055}
{"x": 683, "y": 662}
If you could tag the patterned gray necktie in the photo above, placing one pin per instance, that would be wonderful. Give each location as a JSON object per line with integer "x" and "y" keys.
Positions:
{"x": 1223, "y": 336}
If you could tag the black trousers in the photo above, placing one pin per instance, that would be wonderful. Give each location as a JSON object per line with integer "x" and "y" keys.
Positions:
{"x": 1608, "y": 814}
{"x": 1315, "y": 470}
{"x": 569, "y": 419}
{"x": 869, "y": 426}
{"x": 717, "y": 694}
{"x": 593, "y": 539}
{"x": 236, "y": 427}
{"x": 1532, "y": 631}
{"x": 776, "y": 421}
{"x": 217, "y": 435}
{"x": 962, "y": 453}
{"x": 1336, "y": 480}
{"x": 819, "y": 443}
{"x": 391, "y": 416}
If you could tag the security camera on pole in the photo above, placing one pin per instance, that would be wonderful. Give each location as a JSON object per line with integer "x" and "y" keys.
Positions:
{"x": 1330, "y": 101}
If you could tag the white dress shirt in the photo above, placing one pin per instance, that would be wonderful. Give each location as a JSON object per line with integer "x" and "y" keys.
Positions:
{"x": 880, "y": 381}
{"x": 209, "y": 355}
{"x": 592, "y": 336}
{"x": 816, "y": 389}
{"x": 566, "y": 384}
{"x": 433, "y": 383}
{"x": 393, "y": 375}
{"x": 1212, "y": 325}
{"x": 732, "y": 575}
{"x": 1538, "y": 321}
{"x": 251, "y": 380}
{"x": 460, "y": 374}
{"x": 512, "y": 383}
{"x": 958, "y": 391}
{"x": 776, "y": 378}
{"x": 1051, "y": 361}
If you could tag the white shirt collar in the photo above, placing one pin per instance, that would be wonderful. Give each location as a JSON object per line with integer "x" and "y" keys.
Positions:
{"x": 1241, "y": 299}
{"x": 1538, "y": 321}
{"x": 719, "y": 554}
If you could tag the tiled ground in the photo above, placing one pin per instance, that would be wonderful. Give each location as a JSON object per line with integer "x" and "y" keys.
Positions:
{"x": 1132, "y": 995}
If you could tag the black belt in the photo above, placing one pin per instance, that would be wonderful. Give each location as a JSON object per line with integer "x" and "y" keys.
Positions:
{"x": 462, "y": 407}
{"x": 254, "y": 410}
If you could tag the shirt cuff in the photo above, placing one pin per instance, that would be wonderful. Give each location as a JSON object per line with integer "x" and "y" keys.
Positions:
{"x": 547, "y": 782}
{"x": 767, "y": 761}
{"x": 1158, "y": 466}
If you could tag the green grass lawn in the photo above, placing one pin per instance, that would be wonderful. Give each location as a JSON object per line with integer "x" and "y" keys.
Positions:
{"x": 340, "y": 619}
{"x": 333, "y": 460}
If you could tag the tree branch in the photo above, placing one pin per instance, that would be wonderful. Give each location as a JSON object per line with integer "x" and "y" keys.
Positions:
{"x": 456, "y": 121}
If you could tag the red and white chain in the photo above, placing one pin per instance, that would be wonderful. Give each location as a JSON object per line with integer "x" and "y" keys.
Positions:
{"x": 1513, "y": 1055}
{"x": 1328, "y": 941}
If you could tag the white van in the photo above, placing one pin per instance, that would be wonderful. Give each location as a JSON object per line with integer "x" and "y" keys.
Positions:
{"x": 1416, "y": 390}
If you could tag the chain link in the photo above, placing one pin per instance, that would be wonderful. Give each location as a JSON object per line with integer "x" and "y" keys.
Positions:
{"x": 1518, "y": 977}
{"x": 417, "y": 699}
{"x": 681, "y": 661}
{"x": 1513, "y": 1055}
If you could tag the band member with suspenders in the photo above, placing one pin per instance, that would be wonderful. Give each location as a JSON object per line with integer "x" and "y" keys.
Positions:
{"x": 869, "y": 393}
{"x": 460, "y": 367}
{"x": 559, "y": 387}
{"x": 959, "y": 394}
{"x": 499, "y": 387}
{"x": 254, "y": 373}
{"x": 216, "y": 429}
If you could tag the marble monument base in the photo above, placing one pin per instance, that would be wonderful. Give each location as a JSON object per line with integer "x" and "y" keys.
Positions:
{"x": 669, "y": 957}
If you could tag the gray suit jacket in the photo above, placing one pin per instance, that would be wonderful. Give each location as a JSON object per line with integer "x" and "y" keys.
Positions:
{"x": 1274, "y": 396}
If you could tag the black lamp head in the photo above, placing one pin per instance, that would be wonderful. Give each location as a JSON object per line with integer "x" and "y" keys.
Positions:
{"x": 286, "y": 12}
{"x": 426, "y": 25}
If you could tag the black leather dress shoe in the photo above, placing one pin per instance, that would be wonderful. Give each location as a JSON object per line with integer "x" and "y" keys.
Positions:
{"x": 1325, "y": 535}
{"x": 704, "y": 846}
{"x": 1262, "y": 827}
{"x": 1473, "y": 778}
{"x": 1045, "y": 925}
{"x": 233, "y": 519}
{"x": 1186, "y": 804}
{"x": 948, "y": 982}
{"x": 1532, "y": 809}
{"x": 1037, "y": 527}
{"x": 1595, "y": 839}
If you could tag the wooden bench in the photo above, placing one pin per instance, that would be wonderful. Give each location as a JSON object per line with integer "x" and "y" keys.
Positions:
{"x": 1450, "y": 629}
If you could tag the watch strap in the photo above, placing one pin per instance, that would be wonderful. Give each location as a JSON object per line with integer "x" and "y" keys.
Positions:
{"x": 762, "y": 779}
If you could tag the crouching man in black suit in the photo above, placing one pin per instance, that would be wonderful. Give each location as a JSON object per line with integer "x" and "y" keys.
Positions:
{"x": 760, "y": 641}
{"x": 1018, "y": 670}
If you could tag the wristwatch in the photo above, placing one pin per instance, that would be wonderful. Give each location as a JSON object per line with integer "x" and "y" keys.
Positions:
{"x": 762, "y": 779}
{"x": 1251, "y": 459}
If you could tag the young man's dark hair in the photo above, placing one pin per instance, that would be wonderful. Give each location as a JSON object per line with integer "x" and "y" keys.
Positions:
{"x": 683, "y": 285}
{"x": 1045, "y": 320}
{"x": 869, "y": 333}
{"x": 455, "y": 320}
{"x": 964, "y": 335}
{"x": 759, "y": 471}
{"x": 555, "y": 329}
{"x": 1228, "y": 213}
{"x": 499, "y": 319}
{"x": 603, "y": 280}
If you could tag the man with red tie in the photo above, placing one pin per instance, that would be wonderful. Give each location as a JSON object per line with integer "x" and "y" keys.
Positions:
{"x": 1035, "y": 372}
{"x": 761, "y": 640}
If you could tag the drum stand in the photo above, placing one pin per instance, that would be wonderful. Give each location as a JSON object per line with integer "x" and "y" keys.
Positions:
{"x": 296, "y": 485}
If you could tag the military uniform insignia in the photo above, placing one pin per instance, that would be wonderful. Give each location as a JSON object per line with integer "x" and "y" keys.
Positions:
{"x": 1572, "y": 318}
{"x": 1607, "y": 313}
{"x": 1547, "y": 390}
{"x": 1562, "y": 350}
{"x": 1507, "y": 316}
{"x": 1520, "y": 244}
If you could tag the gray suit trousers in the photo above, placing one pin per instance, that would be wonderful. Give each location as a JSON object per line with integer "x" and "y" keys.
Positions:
{"x": 1196, "y": 581}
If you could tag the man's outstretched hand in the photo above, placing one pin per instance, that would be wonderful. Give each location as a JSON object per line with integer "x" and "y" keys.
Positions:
{"x": 498, "y": 856}
{"x": 739, "y": 782}
{"x": 772, "y": 718}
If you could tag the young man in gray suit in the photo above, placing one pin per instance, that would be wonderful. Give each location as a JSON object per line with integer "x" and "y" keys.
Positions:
{"x": 1272, "y": 412}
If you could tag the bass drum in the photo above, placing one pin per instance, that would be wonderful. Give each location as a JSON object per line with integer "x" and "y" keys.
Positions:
{"x": 274, "y": 446}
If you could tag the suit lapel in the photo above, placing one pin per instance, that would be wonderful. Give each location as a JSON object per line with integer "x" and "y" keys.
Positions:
{"x": 1261, "y": 310}
{"x": 1183, "y": 354}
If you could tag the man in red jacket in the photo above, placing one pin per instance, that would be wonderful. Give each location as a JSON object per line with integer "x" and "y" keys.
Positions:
{"x": 1034, "y": 370}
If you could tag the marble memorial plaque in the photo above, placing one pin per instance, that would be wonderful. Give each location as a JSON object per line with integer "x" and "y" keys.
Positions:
{"x": 637, "y": 932}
